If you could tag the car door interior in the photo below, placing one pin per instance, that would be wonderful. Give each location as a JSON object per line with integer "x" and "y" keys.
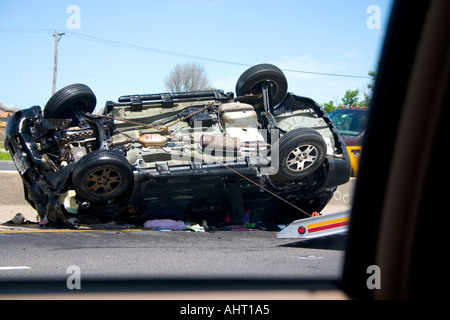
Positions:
{"x": 398, "y": 185}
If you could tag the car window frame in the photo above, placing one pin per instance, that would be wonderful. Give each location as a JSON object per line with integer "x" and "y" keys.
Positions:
{"x": 377, "y": 219}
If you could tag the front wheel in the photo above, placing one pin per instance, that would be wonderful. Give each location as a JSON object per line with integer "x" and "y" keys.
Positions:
{"x": 64, "y": 103}
{"x": 102, "y": 176}
{"x": 300, "y": 152}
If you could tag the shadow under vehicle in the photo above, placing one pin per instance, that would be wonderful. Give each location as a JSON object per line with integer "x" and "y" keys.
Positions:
{"x": 204, "y": 155}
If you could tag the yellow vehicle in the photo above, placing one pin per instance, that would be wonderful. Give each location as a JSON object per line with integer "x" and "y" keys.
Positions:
{"x": 351, "y": 122}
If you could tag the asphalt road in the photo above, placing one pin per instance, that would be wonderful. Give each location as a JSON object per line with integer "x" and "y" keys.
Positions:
{"x": 119, "y": 254}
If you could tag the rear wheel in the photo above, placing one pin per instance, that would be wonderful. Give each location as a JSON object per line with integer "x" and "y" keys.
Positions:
{"x": 102, "y": 176}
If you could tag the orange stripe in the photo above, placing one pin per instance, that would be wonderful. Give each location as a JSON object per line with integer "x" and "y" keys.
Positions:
{"x": 329, "y": 226}
{"x": 327, "y": 222}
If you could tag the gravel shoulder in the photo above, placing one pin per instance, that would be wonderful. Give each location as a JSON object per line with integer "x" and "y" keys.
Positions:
{"x": 12, "y": 200}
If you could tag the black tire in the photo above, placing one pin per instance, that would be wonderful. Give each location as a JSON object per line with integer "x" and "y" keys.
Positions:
{"x": 300, "y": 153}
{"x": 250, "y": 81}
{"x": 73, "y": 97}
{"x": 102, "y": 176}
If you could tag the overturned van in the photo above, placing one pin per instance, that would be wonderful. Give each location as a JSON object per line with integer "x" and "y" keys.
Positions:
{"x": 203, "y": 155}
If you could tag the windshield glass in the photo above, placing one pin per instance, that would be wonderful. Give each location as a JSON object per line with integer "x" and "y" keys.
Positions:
{"x": 350, "y": 122}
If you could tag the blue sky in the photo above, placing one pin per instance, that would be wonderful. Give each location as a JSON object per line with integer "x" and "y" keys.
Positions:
{"x": 120, "y": 47}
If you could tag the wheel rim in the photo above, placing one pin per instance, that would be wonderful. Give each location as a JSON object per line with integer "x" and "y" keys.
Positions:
{"x": 257, "y": 88}
{"x": 302, "y": 157}
{"x": 103, "y": 181}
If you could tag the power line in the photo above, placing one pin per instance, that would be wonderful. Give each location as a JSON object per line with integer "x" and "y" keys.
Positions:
{"x": 142, "y": 48}
{"x": 172, "y": 53}
{"x": 109, "y": 78}
{"x": 137, "y": 47}
{"x": 326, "y": 74}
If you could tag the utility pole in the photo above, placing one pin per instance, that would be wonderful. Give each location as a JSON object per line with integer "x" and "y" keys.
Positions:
{"x": 55, "y": 63}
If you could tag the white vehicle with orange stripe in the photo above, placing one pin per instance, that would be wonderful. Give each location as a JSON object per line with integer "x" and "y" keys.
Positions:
{"x": 317, "y": 226}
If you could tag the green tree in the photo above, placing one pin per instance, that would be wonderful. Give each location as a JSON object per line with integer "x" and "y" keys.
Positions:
{"x": 366, "y": 101}
{"x": 351, "y": 98}
{"x": 329, "y": 106}
{"x": 373, "y": 74}
{"x": 368, "y": 96}
{"x": 370, "y": 86}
